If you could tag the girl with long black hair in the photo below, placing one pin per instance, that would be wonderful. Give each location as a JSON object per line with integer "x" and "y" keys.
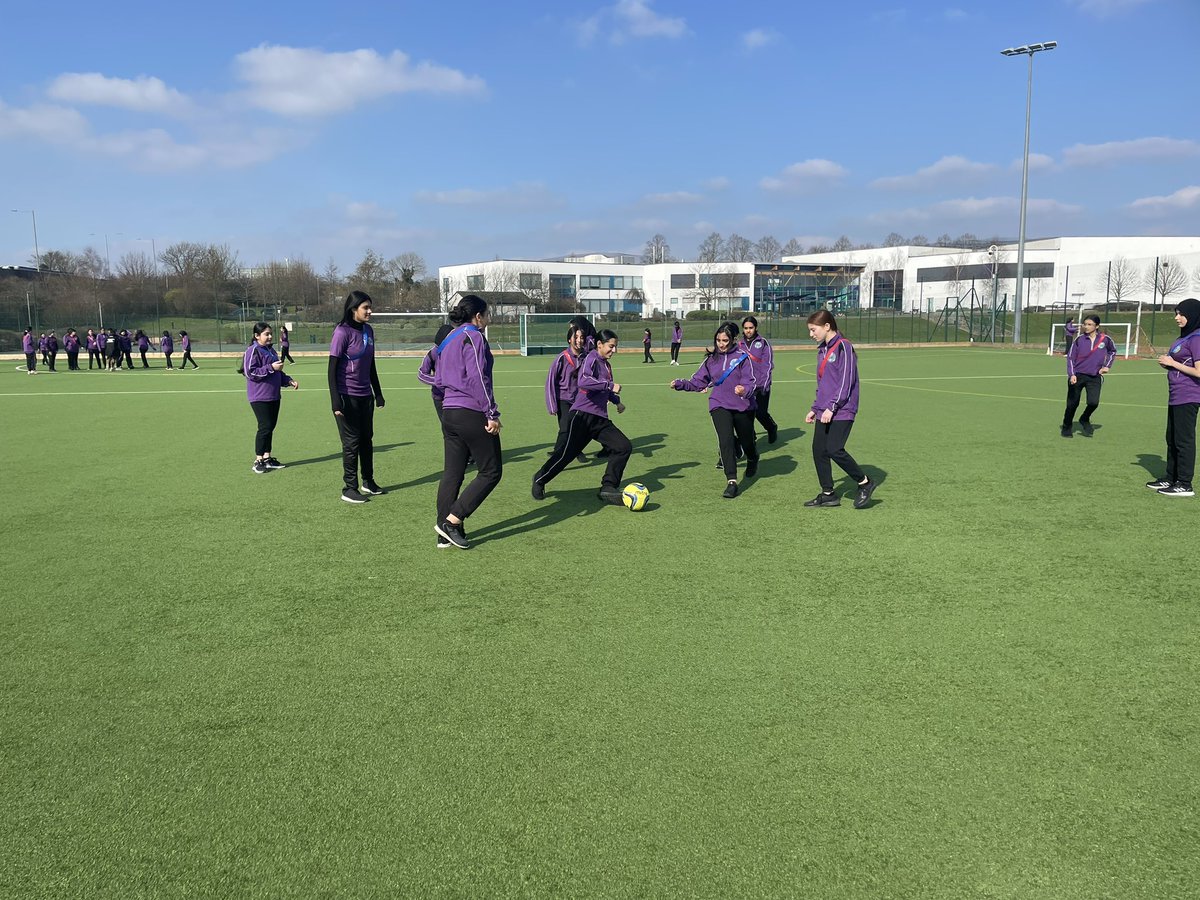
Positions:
{"x": 1182, "y": 363}
{"x": 354, "y": 392}
{"x": 562, "y": 381}
{"x": 265, "y": 379}
{"x": 590, "y": 422}
{"x": 470, "y": 420}
{"x": 285, "y": 344}
{"x": 728, "y": 374}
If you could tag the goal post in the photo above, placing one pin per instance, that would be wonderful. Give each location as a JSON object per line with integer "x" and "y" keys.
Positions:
{"x": 1115, "y": 330}
{"x": 542, "y": 333}
{"x": 406, "y": 331}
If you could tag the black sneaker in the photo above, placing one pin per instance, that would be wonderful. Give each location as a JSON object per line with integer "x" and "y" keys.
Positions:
{"x": 752, "y": 468}
{"x": 823, "y": 499}
{"x": 731, "y": 490}
{"x": 1066, "y": 431}
{"x": 453, "y": 533}
{"x": 863, "y": 495}
{"x": 442, "y": 543}
{"x": 273, "y": 463}
{"x": 1087, "y": 428}
{"x": 581, "y": 458}
{"x": 350, "y": 495}
{"x": 611, "y": 495}
{"x": 719, "y": 465}
{"x": 772, "y": 434}
{"x": 538, "y": 490}
{"x": 258, "y": 468}
{"x": 370, "y": 487}
{"x": 1178, "y": 489}
{"x": 1158, "y": 485}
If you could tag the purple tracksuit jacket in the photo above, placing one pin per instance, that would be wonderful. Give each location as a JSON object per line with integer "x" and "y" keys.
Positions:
{"x": 27, "y": 344}
{"x": 595, "y": 386}
{"x": 355, "y": 351}
{"x": 427, "y": 371}
{"x": 837, "y": 379}
{"x": 723, "y": 395}
{"x": 1183, "y": 388}
{"x": 262, "y": 382}
{"x": 763, "y": 358}
{"x": 464, "y": 373}
{"x": 167, "y": 344}
{"x": 562, "y": 381}
{"x": 1088, "y": 356}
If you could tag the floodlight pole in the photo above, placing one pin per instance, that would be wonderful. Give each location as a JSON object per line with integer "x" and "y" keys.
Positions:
{"x": 1020, "y": 51}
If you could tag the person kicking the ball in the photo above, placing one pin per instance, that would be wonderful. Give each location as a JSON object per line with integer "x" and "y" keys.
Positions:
{"x": 562, "y": 381}
{"x": 833, "y": 411}
{"x": 591, "y": 422}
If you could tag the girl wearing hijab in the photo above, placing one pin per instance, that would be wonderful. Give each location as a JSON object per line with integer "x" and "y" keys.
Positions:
{"x": 93, "y": 349}
{"x": 728, "y": 374}
{"x": 355, "y": 392}
{"x": 1182, "y": 363}
{"x": 470, "y": 420}
{"x": 1089, "y": 359}
{"x": 264, "y": 380}
{"x": 143, "y": 345}
{"x": 29, "y": 348}
{"x": 833, "y": 411}
{"x": 71, "y": 345}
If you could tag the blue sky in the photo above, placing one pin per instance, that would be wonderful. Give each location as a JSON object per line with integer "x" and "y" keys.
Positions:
{"x": 466, "y": 131}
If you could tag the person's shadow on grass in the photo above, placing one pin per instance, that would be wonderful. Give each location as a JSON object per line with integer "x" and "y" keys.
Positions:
{"x": 782, "y": 438}
{"x": 1154, "y": 464}
{"x": 850, "y": 486}
{"x": 520, "y": 454}
{"x": 768, "y": 467}
{"x": 379, "y": 448}
{"x": 562, "y": 505}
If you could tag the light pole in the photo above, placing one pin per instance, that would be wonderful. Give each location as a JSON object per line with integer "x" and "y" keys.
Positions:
{"x": 36, "y": 253}
{"x": 154, "y": 260}
{"x": 1028, "y": 50}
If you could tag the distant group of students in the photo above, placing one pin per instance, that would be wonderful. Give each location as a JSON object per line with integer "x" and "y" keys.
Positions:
{"x": 107, "y": 349}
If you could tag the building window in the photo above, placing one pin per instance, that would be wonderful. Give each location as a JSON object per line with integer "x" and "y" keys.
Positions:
{"x": 531, "y": 281}
{"x": 683, "y": 282}
{"x": 446, "y": 286}
{"x": 474, "y": 282}
{"x": 562, "y": 286}
{"x": 591, "y": 282}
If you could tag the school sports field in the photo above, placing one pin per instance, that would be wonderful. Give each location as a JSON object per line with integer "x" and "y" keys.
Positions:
{"x": 223, "y": 684}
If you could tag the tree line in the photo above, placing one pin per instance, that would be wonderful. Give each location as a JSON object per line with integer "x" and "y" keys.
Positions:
{"x": 737, "y": 249}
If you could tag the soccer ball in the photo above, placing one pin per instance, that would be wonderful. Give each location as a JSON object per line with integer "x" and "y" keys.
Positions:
{"x": 635, "y": 496}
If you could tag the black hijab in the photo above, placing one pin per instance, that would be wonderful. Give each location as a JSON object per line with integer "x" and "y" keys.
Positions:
{"x": 1190, "y": 310}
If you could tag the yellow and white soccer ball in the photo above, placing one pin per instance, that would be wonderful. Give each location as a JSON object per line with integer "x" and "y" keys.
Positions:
{"x": 635, "y": 496}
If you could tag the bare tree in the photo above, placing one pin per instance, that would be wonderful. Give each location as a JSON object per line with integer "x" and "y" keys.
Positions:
{"x": 792, "y": 248}
{"x": 818, "y": 248}
{"x": 767, "y": 249}
{"x": 944, "y": 240}
{"x": 843, "y": 244}
{"x": 955, "y": 283}
{"x": 919, "y": 240}
{"x": 657, "y": 250}
{"x": 59, "y": 261}
{"x": 1169, "y": 278}
{"x": 136, "y": 267}
{"x": 371, "y": 271}
{"x": 1118, "y": 280}
{"x": 91, "y": 264}
{"x": 738, "y": 249}
{"x": 711, "y": 248}
{"x": 895, "y": 239}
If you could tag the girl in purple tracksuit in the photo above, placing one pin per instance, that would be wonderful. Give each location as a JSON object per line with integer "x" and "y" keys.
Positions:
{"x": 470, "y": 420}
{"x": 264, "y": 380}
{"x": 647, "y": 340}
{"x": 143, "y": 345}
{"x": 167, "y": 346}
{"x": 44, "y": 349}
{"x": 729, "y": 374}
{"x": 562, "y": 381}
{"x": 833, "y": 411}
{"x": 71, "y": 345}
{"x": 426, "y": 374}
{"x": 285, "y": 345}
{"x": 185, "y": 344}
{"x": 1182, "y": 363}
{"x": 126, "y": 340}
{"x": 591, "y": 422}
{"x": 354, "y": 392}
{"x": 93, "y": 350}
{"x": 763, "y": 357}
{"x": 676, "y": 343}
{"x": 29, "y": 348}
{"x": 1089, "y": 358}
{"x": 52, "y": 349}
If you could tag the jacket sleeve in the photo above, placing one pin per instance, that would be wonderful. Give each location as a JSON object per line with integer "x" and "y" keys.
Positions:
{"x": 375, "y": 387}
{"x": 698, "y": 382}
{"x": 1110, "y": 352}
{"x": 1071, "y": 358}
{"x": 256, "y": 366}
{"x": 843, "y": 375}
{"x": 478, "y": 355}
{"x": 591, "y": 380}
{"x": 425, "y": 373}
{"x": 552, "y": 385}
{"x": 334, "y": 397}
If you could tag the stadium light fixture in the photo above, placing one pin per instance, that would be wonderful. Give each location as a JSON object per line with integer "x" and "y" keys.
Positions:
{"x": 1028, "y": 50}
{"x": 36, "y": 253}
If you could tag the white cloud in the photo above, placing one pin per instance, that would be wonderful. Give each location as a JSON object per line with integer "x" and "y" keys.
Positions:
{"x": 534, "y": 195}
{"x": 55, "y": 124}
{"x": 719, "y": 183}
{"x": 1105, "y": 8}
{"x": 630, "y": 19}
{"x": 673, "y": 198}
{"x": 141, "y": 94}
{"x": 1038, "y": 162}
{"x": 367, "y": 212}
{"x": 955, "y": 169}
{"x": 1148, "y": 149}
{"x": 654, "y": 225}
{"x": 296, "y": 81}
{"x": 803, "y": 176}
{"x": 1184, "y": 198}
{"x": 578, "y": 226}
{"x": 758, "y": 37}
{"x": 973, "y": 208}
{"x": 703, "y": 227}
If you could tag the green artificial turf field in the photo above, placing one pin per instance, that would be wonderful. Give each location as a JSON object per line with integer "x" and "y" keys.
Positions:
{"x": 222, "y": 684}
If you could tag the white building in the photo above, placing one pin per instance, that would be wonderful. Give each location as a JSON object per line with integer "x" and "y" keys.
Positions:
{"x": 1072, "y": 271}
